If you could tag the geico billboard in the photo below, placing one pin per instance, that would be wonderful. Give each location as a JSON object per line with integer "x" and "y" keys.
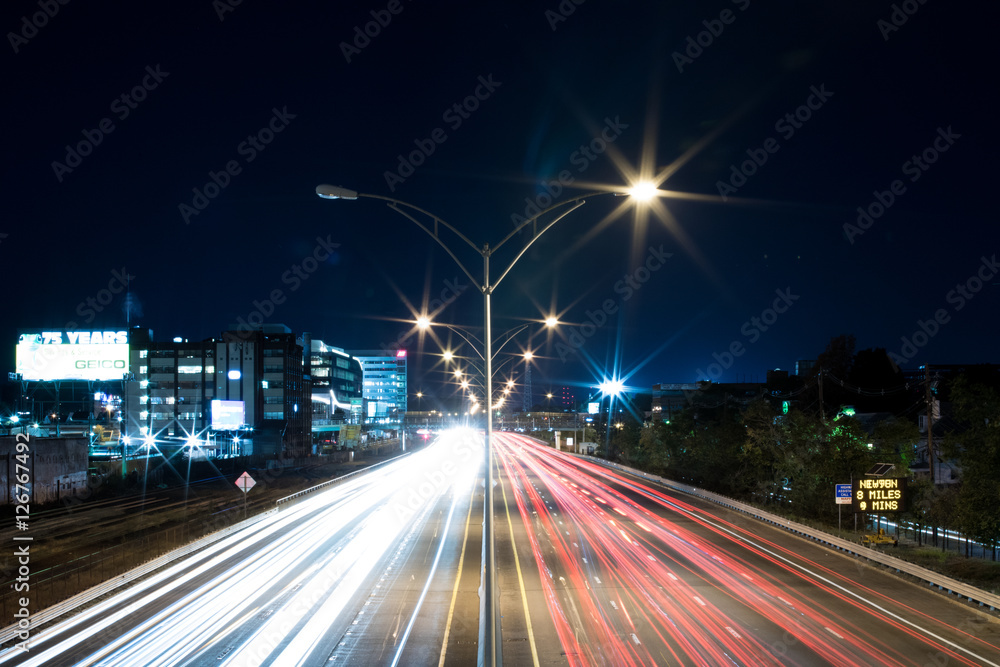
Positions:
{"x": 73, "y": 355}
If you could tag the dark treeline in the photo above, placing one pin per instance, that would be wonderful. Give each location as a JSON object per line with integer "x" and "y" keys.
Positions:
{"x": 788, "y": 450}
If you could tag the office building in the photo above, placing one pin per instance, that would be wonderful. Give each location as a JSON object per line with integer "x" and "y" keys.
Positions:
{"x": 383, "y": 385}
{"x": 202, "y": 392}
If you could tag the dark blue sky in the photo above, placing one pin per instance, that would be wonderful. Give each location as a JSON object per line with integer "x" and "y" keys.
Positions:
{"x": 832, "y": 100}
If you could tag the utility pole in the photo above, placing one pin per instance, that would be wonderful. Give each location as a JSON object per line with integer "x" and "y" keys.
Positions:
{"x": 930, "y": 420}
{"x": 822, "y": 412}
{"x": 526, "y": 395}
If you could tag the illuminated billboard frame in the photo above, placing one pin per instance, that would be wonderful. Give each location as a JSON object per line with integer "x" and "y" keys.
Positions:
{"x": 48, "y": 356}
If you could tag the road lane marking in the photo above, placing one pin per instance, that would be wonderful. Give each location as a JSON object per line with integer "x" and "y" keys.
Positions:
{"x": 454, "y": 593}
{"x": 815, "y": 575}
{"x": 520, "y": 580}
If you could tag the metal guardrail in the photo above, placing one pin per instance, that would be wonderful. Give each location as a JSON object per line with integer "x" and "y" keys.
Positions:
{"x": 55, "y": 611}
{"x": 335, "y": 481}
{"x": 942, "y": 582}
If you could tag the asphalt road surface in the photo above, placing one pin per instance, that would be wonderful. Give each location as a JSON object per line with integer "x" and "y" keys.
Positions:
{"x": 609, "y": 570}
{"x": 363, "y": 573}
{"x": 384, "y": 569}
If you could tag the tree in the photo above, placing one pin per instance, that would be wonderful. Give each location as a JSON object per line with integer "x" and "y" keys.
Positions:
{"x": 977, "y": 448}
{"x": 895, "y": 441}
{"x": 873, "y": 370}
{"x": 653, "y": 441}
{"x": 836, "y": 361}
{"x": 837, "y": 358}
{"x": 762, "y": 461}
{"x": 625, "y": 442}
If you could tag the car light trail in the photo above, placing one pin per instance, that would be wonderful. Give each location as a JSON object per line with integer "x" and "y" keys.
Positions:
{"x": 673, "y": 582}
{"x": 272, "y": 593}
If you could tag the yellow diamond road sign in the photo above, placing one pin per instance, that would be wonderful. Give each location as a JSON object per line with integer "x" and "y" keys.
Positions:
{"x": 245, "y": 482}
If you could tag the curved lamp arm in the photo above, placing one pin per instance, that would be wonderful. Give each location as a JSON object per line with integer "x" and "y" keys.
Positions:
{"x": 397, "y": 205}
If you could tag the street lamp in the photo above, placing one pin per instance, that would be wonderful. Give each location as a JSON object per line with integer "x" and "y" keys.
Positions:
{"x": 490, "y": 646}
{"x": 611, "y": 388}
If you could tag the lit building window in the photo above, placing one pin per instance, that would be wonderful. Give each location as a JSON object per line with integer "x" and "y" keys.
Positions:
{"x": 143, "y": 354}
{"x": 143, "y": 370}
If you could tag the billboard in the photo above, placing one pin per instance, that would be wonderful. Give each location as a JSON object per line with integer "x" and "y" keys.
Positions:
{"x": 593, "y": 408}
{"x": 227, "y": 415}
{"x": 72, "y": 355}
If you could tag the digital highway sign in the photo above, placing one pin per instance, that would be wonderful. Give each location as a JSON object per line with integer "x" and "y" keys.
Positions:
{"x": 879, "y": 495}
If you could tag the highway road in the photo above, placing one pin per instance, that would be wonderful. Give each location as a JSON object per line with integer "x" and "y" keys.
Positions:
{"x": 608, "y": 570}
{"x": 362, "y": 573}
{"x": 595, "y": 568}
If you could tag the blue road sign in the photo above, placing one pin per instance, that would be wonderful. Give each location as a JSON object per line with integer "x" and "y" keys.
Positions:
{"x": 843, "y": 494}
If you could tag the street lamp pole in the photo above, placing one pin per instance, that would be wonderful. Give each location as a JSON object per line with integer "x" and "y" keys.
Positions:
{"x": 490, "y": 632}
{"x": 490, "y": 645}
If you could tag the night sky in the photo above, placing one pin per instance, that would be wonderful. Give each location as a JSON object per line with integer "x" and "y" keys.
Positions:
{"x": 771, "y": 123}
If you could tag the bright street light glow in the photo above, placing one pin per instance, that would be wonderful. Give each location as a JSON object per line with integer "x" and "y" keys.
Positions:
{"x": 458, "y": 372}
{"x": 448, "y": 355}
{"x": 551, "y": 322}
{"x": 423, "y": 322}
{"x": 612, "y": 387}
{"x": 643, "y": 191}
{"x": 528, "y": 355}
